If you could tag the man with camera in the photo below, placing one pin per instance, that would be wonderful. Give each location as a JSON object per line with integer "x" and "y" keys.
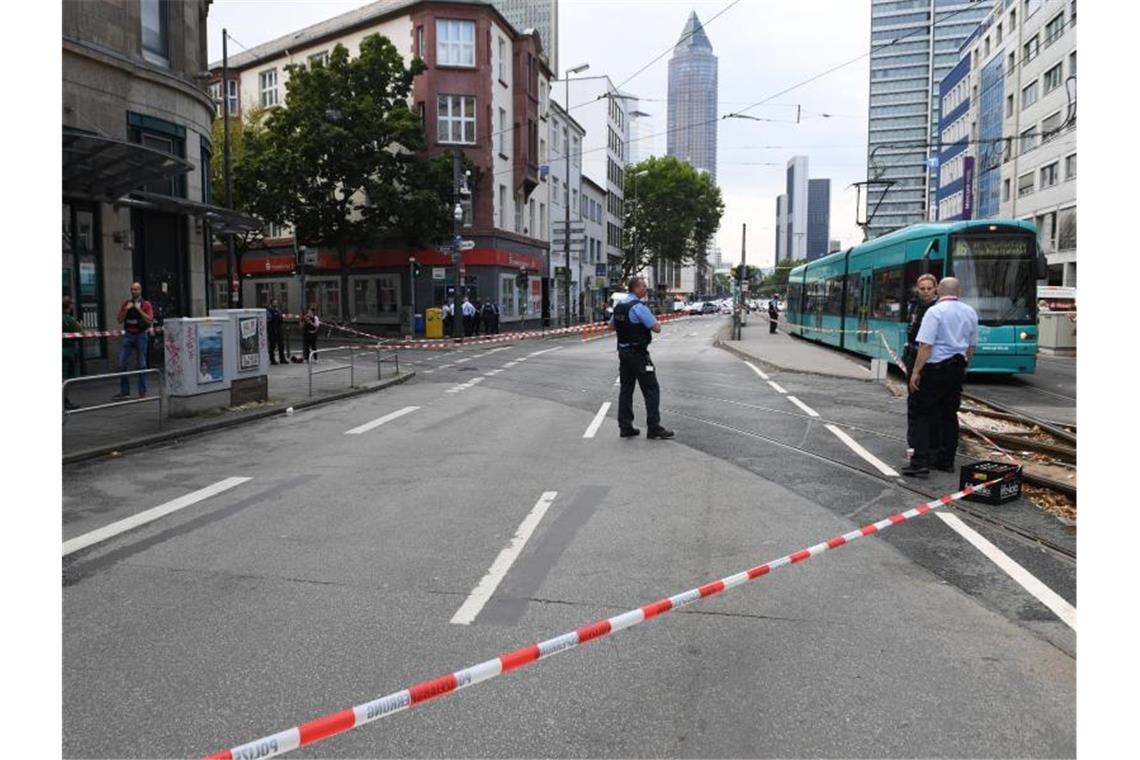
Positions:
{"x": 137, "y": 315}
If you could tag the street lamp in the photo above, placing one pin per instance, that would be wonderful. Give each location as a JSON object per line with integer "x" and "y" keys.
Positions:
{"x": 566, "y": 229}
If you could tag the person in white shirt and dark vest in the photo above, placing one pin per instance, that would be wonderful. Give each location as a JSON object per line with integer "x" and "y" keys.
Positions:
{"x": 635, "y": 326}
{"x": 946, "y": 343}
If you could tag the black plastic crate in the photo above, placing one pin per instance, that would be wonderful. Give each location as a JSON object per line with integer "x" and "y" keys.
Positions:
{"x": 999, "y": 493}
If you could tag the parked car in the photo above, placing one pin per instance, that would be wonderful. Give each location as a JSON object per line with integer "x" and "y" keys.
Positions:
{"x": 695, "y": 307}
{"x": 709, "y": 307}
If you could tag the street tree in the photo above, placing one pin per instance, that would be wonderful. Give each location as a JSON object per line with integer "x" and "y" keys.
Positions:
{"x": 777, "y": 281}
{"x": 243, "y": 131}
{"x": 671, "y": 213}
{"x": 342, "y": 161}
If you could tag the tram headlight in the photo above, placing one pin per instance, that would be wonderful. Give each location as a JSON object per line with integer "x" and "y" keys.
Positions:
{"x": 1027, "y": 335}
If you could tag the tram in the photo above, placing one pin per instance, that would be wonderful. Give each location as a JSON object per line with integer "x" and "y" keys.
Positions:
{"x": 850, "y": 298}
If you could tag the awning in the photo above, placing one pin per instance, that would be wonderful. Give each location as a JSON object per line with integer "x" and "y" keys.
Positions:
{"x": 104, "y": 168}
{"x": 221, "y": 220}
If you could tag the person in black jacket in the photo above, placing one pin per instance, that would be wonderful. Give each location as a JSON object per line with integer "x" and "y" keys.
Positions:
{"x": 926, "y": 295}
{"x": 275, "y": 325}
{"x": 490, "y": 317}
{"x": 773, "y": 315}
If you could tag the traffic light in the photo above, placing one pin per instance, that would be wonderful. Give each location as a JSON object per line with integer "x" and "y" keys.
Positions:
{"x": 739, "y": 273}
{"x": 417, "y": 270}
{"x": 521, "y": 279}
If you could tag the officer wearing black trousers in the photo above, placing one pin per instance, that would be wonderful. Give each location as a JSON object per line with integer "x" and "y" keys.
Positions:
{"x": 635, "y": 326}
{"x": 275, "y": 322}
{"x": 946, "y": 341}
{"x": 927, "y": 290}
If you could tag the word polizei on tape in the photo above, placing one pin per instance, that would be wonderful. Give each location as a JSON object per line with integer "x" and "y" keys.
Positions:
{"x": 354, "y": 717}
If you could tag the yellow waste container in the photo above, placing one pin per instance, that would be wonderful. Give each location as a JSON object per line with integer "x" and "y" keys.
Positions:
{"x": 433, "y": 326}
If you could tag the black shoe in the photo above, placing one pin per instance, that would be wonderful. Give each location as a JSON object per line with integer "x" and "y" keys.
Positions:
{"x": 659, "y": 432}
{"x": 916, "y": 471}
{"x": 630, "y": 432}
{"x": 945, "y": 467}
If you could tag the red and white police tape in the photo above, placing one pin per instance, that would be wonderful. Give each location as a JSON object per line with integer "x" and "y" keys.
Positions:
{"x": 354, "y": 717}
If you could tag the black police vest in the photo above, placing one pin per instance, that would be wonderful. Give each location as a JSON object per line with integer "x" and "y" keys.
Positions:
{"x": 917, "y": 312}
{"x": 630, "y": 334}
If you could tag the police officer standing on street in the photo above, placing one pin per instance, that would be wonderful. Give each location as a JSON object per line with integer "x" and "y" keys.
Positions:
{"x": 946, "y": 343}
{"x": 635, "y": 326}
{"x": 927, "y": 291}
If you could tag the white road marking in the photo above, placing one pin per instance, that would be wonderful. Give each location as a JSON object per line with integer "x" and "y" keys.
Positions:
{"x": 757, "y": 370}
{"x": 428, "y": 371}
{"x": 443, "y": 366}
{"x": 509, "y": 364}
{"x": 1029, "y": 582}
{"x": 617, "y": 380}
{"x": 150, "y": 515}
{"x": 811, "y": 412}
{"x": 596, "y": 423}
{"x": 544, "y": 351}
{"x": 486, "y": 587}
{"x": 491, "y": 372}
{"x": 775, "y": 385}
{"x": 464, "y": 386}
{"x": 877, "y": 463}
{"x": 461, "y": 361}
{"x": 380, "y": 421}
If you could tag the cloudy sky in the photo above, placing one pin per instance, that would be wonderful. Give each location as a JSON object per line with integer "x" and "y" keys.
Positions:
{"x": 763, "y": 46}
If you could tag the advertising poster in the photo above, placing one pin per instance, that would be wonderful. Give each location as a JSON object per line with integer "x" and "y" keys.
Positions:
{"x": 249, "y": 345}
{"x": 210, "y": 367}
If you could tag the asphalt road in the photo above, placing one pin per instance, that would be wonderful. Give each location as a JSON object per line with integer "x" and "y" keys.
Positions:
{"x": 332, "y": 575}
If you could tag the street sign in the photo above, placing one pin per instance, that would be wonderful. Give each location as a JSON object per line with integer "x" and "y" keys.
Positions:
{"x": 438, "y": 273}
{"x": 466, "y": 245}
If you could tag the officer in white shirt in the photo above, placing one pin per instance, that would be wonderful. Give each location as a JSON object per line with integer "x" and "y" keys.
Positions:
{"x": 946, "y": 343}
{"x": 468, "y": 317}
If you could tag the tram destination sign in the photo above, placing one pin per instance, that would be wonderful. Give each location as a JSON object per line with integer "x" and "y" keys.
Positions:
{"x": 993, "y": 248}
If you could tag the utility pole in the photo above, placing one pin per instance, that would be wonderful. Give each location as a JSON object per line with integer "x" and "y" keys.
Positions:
{"x": 566, "y": 229}
{"x": 740, "y": 285}
{"x": 231, "y": 256}
{"x": 457, "y": 237}
{"x": 412, "y": 289}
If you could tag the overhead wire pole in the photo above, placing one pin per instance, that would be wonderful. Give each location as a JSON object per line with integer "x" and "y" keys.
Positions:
{"x": 456, "y": 238}
{"x": 231, "y": 256}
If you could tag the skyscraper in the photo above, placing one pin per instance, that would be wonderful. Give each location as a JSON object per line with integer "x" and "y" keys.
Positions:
{"x": 692, "y": 119}
{"x": 541, "y": 15}
{"x": 903, "y": 123}
{"x": 803, "y": 214}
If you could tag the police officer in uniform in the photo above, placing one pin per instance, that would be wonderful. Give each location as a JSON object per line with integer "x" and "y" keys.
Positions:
{"x": 635, "y": 326}
{"x": 946, "y": 343}
{"x": 927, "y": 294}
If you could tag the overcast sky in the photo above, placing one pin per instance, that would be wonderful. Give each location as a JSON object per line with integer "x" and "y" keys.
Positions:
{"x": 763, "y": 47}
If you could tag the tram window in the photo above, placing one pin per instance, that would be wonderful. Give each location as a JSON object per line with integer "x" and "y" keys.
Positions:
{"x": 794, "y": 290}
{"x": 886, "y": 294}
{"x": 854, "y": 294}
{"x": 834, "y": 298}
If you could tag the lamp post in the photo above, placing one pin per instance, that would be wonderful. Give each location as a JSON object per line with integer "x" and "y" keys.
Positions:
{"x": 635, "y": 175}
{"x": 456, "y": 254}
{"x": 566, "y": 229}
{"x": 231, "y": 256}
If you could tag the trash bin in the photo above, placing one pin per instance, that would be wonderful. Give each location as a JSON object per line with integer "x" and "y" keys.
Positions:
{"x": 433, "y": 327}
{"x": 419, "y": 328}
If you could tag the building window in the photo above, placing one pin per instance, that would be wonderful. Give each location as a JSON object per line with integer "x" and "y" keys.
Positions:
{"x": 1005, "y": 190}
{"x": 319, "y": 59}
{"x": 1054, "y": 29}
{"x": 503, "y": 131}
{"x": 507, "y": 288}
{"x": 454, "y": 43}
{"x": 1072, "y": 12}
{"x": 232, "y": 87}
{"x": 1025, "y": 184}
{"x": 575, "y": 151}
{"x": 1071, "y": 166}
{"x": 1028, "y": 140}
{"x": 542, "y": 219}
{"x": 1032, "y": 6}
{"x": 420, "y": 44}
{"x": 216, "y": 94}
{"x": 554, "y": 191}
{"x": 1053, "y": 78}
{"x": 1073, "y": 63}
{"x": 1050, "y": 127}
{"x": 1029, "y": 50}
{"x": 502, "y": 60}
{"x": 1011, "y": 63}
{"x": 155, "y": 31}
{"x": 1049, "y": 175}
{"x": 324, "y": 295}
{"x": 554, "y": 143}
{"x": 267, "y": 86}
{"x": 518, "y": 212}
{"x": 1029, "y": 95}
{"x": 502, "y": 207}
{"x": 468, "y": 210}
{"x": 456, "y": 121}
{"x": 267, "y": 292}
{"x": 1013, "y": 19}
{"x": 376, "y": 296}
{"x": 1008, "y": 106}
{"x": 542, "y": 150}
{"x": 998, "y": 40}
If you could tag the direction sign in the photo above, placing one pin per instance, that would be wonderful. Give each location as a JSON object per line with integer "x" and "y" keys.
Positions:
{"x": 466, "y": 245}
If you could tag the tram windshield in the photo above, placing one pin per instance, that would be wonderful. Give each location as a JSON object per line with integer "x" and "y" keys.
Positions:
{"x": 998, "y": 276}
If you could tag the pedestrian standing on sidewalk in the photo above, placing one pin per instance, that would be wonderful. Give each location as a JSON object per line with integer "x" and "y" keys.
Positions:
{"x": 635, "y": 326}
{"x": 773, "y": 315}
{"x": 946, "y": 343}
{"x": 275, "y": 325}
{"x": 310, "y": 326}
{"x": 448, "y": 318}
{"x": 477, "y": 321}
{"x": 468, "y": 316}
{"x": 926, "y": 294}
{"x": 136, "y": 315}
{"x": 491, "y": 317}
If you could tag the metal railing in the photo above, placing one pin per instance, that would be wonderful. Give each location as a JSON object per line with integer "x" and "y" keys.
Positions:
{"x": 111, "y": 405}
{"x": 382, "y": 354}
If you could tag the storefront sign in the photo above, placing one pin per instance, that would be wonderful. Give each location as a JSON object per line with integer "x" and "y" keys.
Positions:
{"x": 438, "y": 273}
{"x": 249, "y": 344}
{"x": 968, "y": 187}
{"x": 210, "y": 364}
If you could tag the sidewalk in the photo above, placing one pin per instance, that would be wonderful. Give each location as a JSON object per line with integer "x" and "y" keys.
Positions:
{"x": 86, "y": 436}
{"x": 792, "y": 354}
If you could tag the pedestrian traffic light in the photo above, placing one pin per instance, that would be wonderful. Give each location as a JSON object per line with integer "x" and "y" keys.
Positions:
{"x": 417, "y": 270}
{"x": 520, "y": 279}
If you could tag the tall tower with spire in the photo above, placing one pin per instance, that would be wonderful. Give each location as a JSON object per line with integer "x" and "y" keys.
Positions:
{"x": 692, "y": 99}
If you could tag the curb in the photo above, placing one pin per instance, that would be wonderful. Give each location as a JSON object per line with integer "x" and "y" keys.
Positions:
{"x": 210, "y": 427}
{"x": 724, "y": 346}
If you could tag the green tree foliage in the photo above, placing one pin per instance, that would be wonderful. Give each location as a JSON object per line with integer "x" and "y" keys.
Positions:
{"x": 777, "y": 281}
{"x": 242, "y": 132}
{"x": 671, "y": 213}
{"x": 342, "y": 161}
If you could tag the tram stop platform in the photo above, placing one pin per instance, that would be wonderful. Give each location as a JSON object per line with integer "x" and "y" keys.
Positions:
{"x": 782, "y": 351}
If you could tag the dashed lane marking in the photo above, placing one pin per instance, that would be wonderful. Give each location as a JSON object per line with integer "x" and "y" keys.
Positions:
{"x": 877, "y": 463}
{"x": 465, "y": 615}
{"x": 150, "y": 515}
{"x": 381, "y": 420}
{"x": 757, "y": 370}
{"x": 1029, "y": 582}
{"x": 596, "y": 423}
{"x": 811, "y": 412}
{"x": 776, "y": 386}
{"x": 492, "y": 372}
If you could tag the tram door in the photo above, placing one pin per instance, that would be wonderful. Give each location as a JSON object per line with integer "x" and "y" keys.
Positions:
{"x": 864, "y": 335}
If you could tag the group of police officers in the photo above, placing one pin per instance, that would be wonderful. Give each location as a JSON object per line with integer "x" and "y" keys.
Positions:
{"x": 941, "y": 338}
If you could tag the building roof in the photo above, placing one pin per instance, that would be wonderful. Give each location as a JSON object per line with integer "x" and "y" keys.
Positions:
{"x": 335, "y": 27}
{"x": 693, "y": 36}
